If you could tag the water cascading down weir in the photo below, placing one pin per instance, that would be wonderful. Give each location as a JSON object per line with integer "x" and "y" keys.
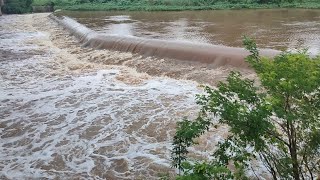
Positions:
{"x": 204, "y": 53}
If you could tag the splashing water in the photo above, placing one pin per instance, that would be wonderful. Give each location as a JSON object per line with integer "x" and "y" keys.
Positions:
{"x": 68, "y": 112}
{"x": 88, "y": 125}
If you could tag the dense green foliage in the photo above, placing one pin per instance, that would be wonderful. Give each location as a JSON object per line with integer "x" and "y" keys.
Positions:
{"x": 24, "y": 6}
{"x": 175, "y": 4}
{"x": 17, "y": 6}
{"x": 277, "y": 122}
{"x": 166, "y": 2}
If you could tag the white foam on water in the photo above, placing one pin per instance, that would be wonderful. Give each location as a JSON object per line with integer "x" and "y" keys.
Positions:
{"x": 71, "y": 125}
{"x": 86, "y": 125}
{"x": 89, "y": 124}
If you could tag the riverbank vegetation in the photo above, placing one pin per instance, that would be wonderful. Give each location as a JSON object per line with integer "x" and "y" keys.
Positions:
{"x": 25, "y": 6}
{"x": 17, "y": 6}
{"x": 167, "y": 5}
{"x": 276, "y": 123}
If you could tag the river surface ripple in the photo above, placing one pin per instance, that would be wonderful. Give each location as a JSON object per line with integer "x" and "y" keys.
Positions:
{"x": 280, "y": 29}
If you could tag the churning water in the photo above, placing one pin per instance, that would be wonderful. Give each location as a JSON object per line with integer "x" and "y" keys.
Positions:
{"x": 92, "y": 123}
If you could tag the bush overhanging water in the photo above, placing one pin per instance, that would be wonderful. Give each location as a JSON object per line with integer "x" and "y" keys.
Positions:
{"x": 277, "y": 123}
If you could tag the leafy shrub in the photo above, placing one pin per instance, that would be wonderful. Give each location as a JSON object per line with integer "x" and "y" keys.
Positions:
{"x": 277, "y": 123}
{"x": 17, "y": 6}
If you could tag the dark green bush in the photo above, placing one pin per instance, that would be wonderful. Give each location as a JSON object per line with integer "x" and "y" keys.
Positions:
{"x": 17, "y": 6}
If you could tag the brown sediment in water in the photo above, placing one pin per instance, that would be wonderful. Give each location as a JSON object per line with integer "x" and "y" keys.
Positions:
{"x": 214, "y": 55}
{"x": 70, "y": 111}
{"x": 203, "y": 73}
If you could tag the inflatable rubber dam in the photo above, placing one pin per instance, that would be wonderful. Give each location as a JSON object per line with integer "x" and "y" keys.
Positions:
{"x": 215, "y": 55}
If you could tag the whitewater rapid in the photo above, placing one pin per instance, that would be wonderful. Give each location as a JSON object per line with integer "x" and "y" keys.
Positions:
{"x": 69, "y": 112}
{"x": 62, "y": 116}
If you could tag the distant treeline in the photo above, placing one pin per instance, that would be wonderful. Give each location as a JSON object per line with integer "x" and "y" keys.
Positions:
{"x": 25, "y": 6}
{"x": 164, "y": 2}
{"x": 16, "y": 6}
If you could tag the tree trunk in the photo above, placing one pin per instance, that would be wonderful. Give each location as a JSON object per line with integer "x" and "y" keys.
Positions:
{"x": 295, "y": 164}
{"x": 293, "y": 151}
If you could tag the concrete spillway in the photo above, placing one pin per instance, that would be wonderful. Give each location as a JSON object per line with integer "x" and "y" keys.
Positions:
{"x": 204, "y": 53}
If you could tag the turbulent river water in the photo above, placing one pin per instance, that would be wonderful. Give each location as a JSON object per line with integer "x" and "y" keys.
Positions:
{"x": 62, "y": 116}
{"x": 70, "y": 112}
{"x": 279, "y": 29}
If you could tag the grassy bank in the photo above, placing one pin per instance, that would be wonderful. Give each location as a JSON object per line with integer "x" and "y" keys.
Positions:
{"x": 175, "y": 5}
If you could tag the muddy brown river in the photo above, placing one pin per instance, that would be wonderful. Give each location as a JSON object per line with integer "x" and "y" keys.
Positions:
{"x": 69, "y": 112}
{"x": 281, "y": 29}
{"x": 73, "y": 112}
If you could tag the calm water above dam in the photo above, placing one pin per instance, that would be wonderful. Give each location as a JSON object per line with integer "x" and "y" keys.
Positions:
{"x": 277, "y": 29}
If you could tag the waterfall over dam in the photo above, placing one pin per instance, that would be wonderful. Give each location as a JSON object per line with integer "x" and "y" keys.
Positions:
{"x": 187, "y": 51}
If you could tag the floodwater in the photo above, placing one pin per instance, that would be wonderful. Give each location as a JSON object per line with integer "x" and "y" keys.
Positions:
{"x": 67, "y": 112}
{"x": 281, "y": 29}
